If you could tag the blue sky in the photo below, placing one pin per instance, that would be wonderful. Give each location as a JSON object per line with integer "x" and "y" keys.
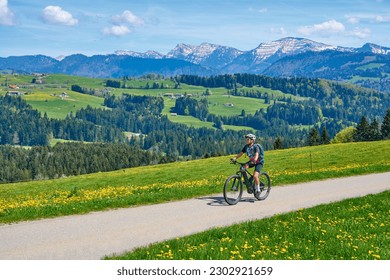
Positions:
{"x": 64, "y": 27}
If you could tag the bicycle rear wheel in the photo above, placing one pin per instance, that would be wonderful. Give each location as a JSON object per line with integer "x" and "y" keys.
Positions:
{"x": 232, "y": 190}
{"x": 265, "y": 186}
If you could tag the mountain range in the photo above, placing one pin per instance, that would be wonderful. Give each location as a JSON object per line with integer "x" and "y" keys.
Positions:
{"x": 287, "y": 57}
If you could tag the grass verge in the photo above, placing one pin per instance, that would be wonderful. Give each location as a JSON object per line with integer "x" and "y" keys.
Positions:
{"x": 348, "y": 230}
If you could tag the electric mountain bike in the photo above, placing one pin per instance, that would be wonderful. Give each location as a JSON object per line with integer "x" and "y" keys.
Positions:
{"x": 234, "y": 185}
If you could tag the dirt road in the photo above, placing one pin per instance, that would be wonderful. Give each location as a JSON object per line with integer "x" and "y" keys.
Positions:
{"x": 94, "y": 235}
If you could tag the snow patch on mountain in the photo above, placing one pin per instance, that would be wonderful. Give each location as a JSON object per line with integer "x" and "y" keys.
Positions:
{"x": 373, "y": 48}
{"x": 289, "y": 46}
{"x": 148, "y": 54}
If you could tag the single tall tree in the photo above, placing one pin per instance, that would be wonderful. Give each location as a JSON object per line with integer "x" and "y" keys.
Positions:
{"x": 362, "y": 130}
{"x": 385, "y": 129}
{"x": 278, "y": 144}
{"x": 314, "y": 138}
{"x": 325, "y": 139}
{"x": 374, "y": 131}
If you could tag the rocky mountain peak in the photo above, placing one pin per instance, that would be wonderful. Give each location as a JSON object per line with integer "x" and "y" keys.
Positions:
{"x": 373, "y": 48}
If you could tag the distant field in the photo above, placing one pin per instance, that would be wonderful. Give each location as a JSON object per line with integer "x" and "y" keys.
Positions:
{"x": 355, "y": 79}
{"x": 219, "y": 105}
{"x": 55, "y": 106}
{"x": 181, "y": 180}
{"x": 46, "y": 97}
{"x": 371, "y": 66}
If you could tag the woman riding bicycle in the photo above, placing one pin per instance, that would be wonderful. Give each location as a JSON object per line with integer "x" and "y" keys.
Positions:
{"x": 255, "y": 153}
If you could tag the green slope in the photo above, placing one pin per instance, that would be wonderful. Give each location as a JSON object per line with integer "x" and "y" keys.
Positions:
{"x": 180, "y": 180}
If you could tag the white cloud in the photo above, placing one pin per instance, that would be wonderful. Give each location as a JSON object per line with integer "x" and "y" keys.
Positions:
{"x": 116, "y": 30}
{"x": 383, "y": 18}
{"x": 121, "y": 24}
{"x": 368, "y": 18}
{"x": 360, "y": 33}
{"x": 325, "y": 28}
{"x": 353, "y": 20}
{"x": 56, "y": 15}
{"x": 127, "y": 17}
{"x": 6, "y": 15}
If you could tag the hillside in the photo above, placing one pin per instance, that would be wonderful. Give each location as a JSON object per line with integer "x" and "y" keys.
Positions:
{"x": 181, "y": 118}
{"x": 179, "y": 180}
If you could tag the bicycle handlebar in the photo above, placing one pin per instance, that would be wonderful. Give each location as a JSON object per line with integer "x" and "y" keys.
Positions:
{"x": 235, "y": 162}
{"x": 242, "y": 164}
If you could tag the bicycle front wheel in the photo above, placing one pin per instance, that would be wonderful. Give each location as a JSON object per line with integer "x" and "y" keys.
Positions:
{"x": 265, "y": 186}
{"x": 232, "y": 190}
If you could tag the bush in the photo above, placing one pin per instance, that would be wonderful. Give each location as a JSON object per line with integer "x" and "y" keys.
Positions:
{"x": 344, "y": 136}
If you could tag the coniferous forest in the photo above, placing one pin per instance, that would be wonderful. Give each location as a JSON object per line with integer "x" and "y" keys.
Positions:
{"x": 132, "y": 131}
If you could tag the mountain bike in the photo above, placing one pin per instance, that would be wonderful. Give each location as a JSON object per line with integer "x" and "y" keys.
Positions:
{"x": 234, "y": 185}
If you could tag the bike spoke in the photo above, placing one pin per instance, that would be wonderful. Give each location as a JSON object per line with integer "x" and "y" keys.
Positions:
{"x": 232, "y": 190}
{"x": 265, "y": 186}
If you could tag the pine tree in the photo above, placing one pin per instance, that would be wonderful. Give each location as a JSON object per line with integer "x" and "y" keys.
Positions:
{"x": 385, "y": 129}
{"x": 278, "y": 144}
{"x": 218, "y": 123}
{"x": 314, "y": 138}
{"x": 374, "y": 133}
{"x": 362, "y": 130}
{"x": 325, "y": 139}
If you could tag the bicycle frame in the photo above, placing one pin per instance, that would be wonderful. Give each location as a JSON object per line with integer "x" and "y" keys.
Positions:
{"x": 244, "y": 173}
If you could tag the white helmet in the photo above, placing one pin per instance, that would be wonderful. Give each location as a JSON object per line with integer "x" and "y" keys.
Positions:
{"x": 251, "y": 136}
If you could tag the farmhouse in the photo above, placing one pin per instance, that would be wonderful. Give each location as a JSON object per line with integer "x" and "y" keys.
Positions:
{"x": 169, "y": 95}
{"x": 173, "y": 95}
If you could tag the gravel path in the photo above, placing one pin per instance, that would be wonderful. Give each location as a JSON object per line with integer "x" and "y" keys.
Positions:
{"x": 94, "y": 235}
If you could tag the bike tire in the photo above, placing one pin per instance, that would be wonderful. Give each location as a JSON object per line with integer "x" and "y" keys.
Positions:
{"x": 232, "y": 190}
{"x": 265, "y": 185}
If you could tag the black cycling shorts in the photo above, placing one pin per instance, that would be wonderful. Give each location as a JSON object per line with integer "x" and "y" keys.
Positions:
{"x": 258, "y": 166}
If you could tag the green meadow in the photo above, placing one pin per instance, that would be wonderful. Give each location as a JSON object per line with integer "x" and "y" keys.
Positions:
{"x": 47, "y": 97}
{"x": 182, "y": 180}
{"x": 59, "y": 107}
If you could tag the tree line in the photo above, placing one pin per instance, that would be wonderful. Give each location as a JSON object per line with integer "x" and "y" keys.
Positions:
{"x": 364, "y": 131}
{"x": 69, "y": 159}
{"x": 20, "y": 124}
{"x": 374, "y": 131}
